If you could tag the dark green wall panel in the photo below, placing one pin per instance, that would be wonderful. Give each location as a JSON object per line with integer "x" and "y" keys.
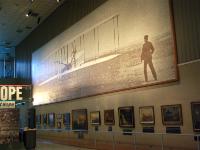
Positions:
{"x": 187, "y": 26}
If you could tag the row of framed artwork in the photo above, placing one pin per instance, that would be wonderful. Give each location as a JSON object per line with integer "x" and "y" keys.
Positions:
{"x": 171, "y": 115}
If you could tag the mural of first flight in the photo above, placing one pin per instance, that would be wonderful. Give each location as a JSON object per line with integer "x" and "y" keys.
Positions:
{"x": 120, "y": 45}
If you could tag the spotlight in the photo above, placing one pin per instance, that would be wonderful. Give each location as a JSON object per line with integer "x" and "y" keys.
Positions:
{"x": 29, "y": 13}
{"x": 32, "y": 14}
{"x": 58, "y": 1}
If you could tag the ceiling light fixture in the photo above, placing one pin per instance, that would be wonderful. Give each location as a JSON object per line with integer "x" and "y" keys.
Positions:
{"x": 29, "y": 13}
{"x": 32, "y": 14}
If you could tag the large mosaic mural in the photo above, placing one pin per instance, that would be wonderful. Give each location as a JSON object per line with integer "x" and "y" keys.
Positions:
{"x": 9, "y": 126}
{"x": 121, "y": 45}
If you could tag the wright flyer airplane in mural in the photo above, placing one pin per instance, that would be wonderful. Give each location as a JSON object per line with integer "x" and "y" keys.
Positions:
{"x": 120, "y": 45}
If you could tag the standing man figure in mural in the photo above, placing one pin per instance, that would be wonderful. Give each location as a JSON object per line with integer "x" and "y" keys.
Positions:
{"x": 147, "y": 51}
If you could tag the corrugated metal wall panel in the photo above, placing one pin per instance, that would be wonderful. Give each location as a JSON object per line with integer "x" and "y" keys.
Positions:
{"x": 187, "y": 28}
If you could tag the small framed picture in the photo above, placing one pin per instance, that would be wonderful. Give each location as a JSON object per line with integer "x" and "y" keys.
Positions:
{"x": 95, "y": 118}
{"x": 59, "y": 116}
{"x": 146, "y": 114}
{"x": 195, "y": 108}
{"x": 172, "y": 114}
{"x": 126, "y": 117}
{"x": 38, "y": 119}
{"x": 66, "y": 118}
{"x": 51, "y": 119}
{"x": 44, "y": 119}
{"x": 79, "y": 119}
{"x": 109, "y": 117}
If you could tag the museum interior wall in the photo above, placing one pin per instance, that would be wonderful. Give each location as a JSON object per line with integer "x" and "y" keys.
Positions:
{"x": 183, "y": 91}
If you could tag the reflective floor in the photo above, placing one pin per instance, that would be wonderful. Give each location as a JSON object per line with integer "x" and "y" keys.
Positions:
{"x": 41, "y": 145}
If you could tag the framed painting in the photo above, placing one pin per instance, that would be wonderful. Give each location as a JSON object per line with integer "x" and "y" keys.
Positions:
{"x": 51, "y": 119}
{"x": 146, "y": 115}
{"x": 126, "y": 117}
{"x": 172, "y": 114}
{"x": 44, "y": 119}
{"x": 109, "y": 117}
{"x": 195, "y": 108}
{"x": 38, "y": 119}
{"x": 95, "y": 118}
{"x": 66, "y": 119}
{"x": 79, "y": 119}
{"x": 59, "y": 116}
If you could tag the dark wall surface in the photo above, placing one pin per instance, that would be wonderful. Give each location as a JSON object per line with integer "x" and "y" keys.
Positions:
{"x": 187, "y": 29}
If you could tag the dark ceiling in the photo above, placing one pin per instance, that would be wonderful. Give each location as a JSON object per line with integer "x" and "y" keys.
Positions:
{"x": 18, "y": 18}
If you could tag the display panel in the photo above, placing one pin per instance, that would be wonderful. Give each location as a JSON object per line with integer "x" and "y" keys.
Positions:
{"x": 129, "y": 46}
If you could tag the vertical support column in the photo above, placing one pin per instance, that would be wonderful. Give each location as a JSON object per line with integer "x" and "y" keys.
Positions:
{"x": 4, "y": 67}
{"x": 134, "y": 141}
{"x": 162, "y": 142}
{"x": 95, "y": 140}
{"x": 198, "y": 142}
{"x": 14, "y": 73}
{"x": 113, "y": 138}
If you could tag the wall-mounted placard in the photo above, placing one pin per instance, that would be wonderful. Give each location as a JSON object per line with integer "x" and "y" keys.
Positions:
{"x": 109, "y": 128}
{"x": 148, "y": 129}
{"x": 173, "y": 130}
{"x": 127, "y": 131}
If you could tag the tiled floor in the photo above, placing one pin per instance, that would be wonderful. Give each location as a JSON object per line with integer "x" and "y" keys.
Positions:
{"x": 41, "y": 145}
